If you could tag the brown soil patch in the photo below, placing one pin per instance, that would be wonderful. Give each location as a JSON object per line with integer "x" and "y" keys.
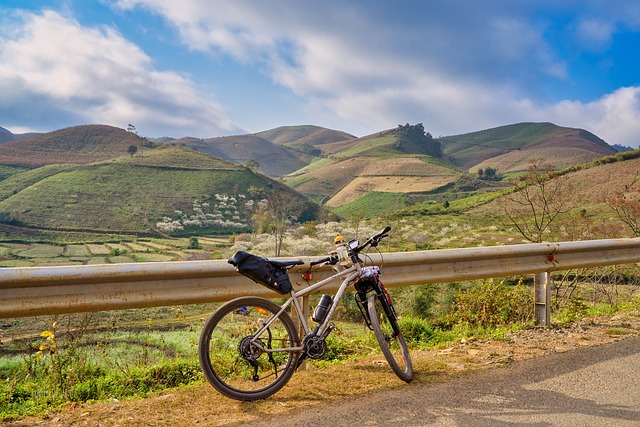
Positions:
{"x": 396, "y": 175}
{"x": 201, "y": 405}
{"x": 395, "y": 184}
{"x": 407, "y": 166}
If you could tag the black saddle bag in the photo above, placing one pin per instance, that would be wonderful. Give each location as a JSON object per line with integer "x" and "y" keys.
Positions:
{"x": 262, "y": 271}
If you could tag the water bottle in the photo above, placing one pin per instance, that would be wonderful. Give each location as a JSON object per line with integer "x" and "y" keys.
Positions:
{"x": 322, "y": 309}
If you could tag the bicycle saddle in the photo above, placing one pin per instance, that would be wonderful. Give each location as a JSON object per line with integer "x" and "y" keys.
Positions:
{"x": 285, "y": 263}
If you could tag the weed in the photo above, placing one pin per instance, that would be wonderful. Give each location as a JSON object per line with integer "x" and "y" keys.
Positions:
{"x": 493, "y": 304}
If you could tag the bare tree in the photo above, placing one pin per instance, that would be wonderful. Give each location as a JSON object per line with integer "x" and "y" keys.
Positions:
{"x": 626, "y": 206}
{"x": 282, "y": 208}
{"x": 538, "y": 198}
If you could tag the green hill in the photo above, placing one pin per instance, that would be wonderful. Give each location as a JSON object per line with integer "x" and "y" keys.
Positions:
{"x": 510, "y": 148}
{"x": 394, "y": 161}
{"x": 169, "y": 190}
{"x": 82, "y": 177}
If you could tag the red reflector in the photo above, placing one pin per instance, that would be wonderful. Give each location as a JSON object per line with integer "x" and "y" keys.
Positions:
{"x": 550, "y": 257}
{"x": 306, "y": 276}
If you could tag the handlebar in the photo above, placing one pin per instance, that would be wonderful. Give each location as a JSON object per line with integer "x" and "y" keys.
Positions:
{"x": 321, "y": 261}
{"x": 373, "y": 240}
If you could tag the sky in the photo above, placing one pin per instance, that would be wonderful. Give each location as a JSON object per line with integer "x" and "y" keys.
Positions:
{"x": 207, "y": 68}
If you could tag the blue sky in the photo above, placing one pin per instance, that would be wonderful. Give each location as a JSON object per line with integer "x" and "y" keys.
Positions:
{"x": 207, "y": 68}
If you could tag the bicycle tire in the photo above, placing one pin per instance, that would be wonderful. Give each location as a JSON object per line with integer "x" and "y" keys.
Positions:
{"x": 393, "y": 345}
{"x": 236, "y": 368}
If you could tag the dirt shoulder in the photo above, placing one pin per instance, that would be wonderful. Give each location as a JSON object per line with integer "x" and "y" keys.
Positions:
{"x": 200, "y": 405}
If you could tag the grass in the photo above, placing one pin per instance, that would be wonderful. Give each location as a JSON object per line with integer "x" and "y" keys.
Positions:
{"x": 373, "y": 204}
{"x": 367, "y": 146}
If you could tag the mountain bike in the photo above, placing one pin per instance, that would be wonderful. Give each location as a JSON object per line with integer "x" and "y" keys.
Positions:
{"x": 250, "y": 347}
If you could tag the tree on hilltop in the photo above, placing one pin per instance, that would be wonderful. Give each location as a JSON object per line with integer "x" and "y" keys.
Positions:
{"x": 417, "y": 134}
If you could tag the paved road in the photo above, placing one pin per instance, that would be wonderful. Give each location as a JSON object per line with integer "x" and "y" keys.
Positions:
{"x": 597, "y": 386}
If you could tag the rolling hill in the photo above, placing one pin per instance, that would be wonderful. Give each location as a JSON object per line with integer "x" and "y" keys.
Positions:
{"x": 77, "y": 171}
{"x": 165, "y": 190}
{"x": 274, "y": 160}
{"x": 304, "y": 139}
{"x": 77, "y": 145}
{"x": 408, "y": 161}
{"x": 278, "y": 151}
{"x": 394, "y": 161}
{"x": 510, "y": 148}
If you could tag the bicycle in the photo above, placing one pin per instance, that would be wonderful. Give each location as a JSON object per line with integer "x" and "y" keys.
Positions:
{"x": 249, "y": 347}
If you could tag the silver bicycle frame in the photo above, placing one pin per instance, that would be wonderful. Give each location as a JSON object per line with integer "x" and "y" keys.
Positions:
{"x": 352, "y": 273}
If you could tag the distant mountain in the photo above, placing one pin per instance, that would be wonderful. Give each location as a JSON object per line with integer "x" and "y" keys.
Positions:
{"x": 278, "y": 151}
{"x": 621, "y": 148}
{"x": 510, "y": 148}
{"x": 78, "y": 145}
{"x": 6, "y": 135}
{"x": 309, "y": 134}
{"x": 274, "y": 160}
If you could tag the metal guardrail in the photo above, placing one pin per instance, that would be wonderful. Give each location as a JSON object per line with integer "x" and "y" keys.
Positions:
{"x": 34, "y": 291}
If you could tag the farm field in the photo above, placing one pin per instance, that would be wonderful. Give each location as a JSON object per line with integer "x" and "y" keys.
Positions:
{"x": 41, "y": 254}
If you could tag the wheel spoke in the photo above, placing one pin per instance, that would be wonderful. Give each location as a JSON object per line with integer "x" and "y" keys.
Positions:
{"x": 234, "y": 359}
{"x": 391, "y": 343}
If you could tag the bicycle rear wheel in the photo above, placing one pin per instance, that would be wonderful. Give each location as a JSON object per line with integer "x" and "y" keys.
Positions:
{"x": 389, "y": 337}
{"x": 237, "y": 362}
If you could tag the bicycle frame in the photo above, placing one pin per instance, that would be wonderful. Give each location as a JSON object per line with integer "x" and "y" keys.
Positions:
{"x": 352, "y": 273}
{"x": 235, "y": 348}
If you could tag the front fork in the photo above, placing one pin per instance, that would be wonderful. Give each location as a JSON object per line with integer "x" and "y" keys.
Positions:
{"x": 385, "y": 301}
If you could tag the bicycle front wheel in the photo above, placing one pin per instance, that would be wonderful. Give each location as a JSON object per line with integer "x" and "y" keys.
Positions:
{"x": 389, "y": 337}
{"x": 239, "y": 362}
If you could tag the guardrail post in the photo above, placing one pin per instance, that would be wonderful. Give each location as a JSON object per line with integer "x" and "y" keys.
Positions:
{"x": 542, "y": 291}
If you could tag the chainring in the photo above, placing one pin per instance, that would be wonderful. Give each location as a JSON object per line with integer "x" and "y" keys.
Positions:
{"x": 314, "y": 346}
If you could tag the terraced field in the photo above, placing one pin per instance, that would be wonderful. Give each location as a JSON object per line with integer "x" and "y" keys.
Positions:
{"x": 39, "y": 254}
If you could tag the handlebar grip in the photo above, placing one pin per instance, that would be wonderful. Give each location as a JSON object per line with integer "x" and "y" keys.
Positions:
{"x": 320, "y": 261}
{"x": 382, "y": 233}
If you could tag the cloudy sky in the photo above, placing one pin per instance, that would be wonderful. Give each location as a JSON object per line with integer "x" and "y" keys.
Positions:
{"x": 208, "y": 68}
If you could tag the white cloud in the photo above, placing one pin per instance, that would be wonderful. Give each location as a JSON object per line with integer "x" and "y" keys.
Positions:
{"x": 363, "y": 65}
{"x": 94, "y": 75}
{"x": 455, "y": 66}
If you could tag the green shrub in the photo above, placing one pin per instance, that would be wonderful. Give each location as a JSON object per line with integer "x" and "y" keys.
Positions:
{"x": 575, "y": 309}
{"x": 493, "y": 304}
{"x": 423, "y": 301}
{"x": 416, "y": 331}
{"x": 193, "y": 243}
